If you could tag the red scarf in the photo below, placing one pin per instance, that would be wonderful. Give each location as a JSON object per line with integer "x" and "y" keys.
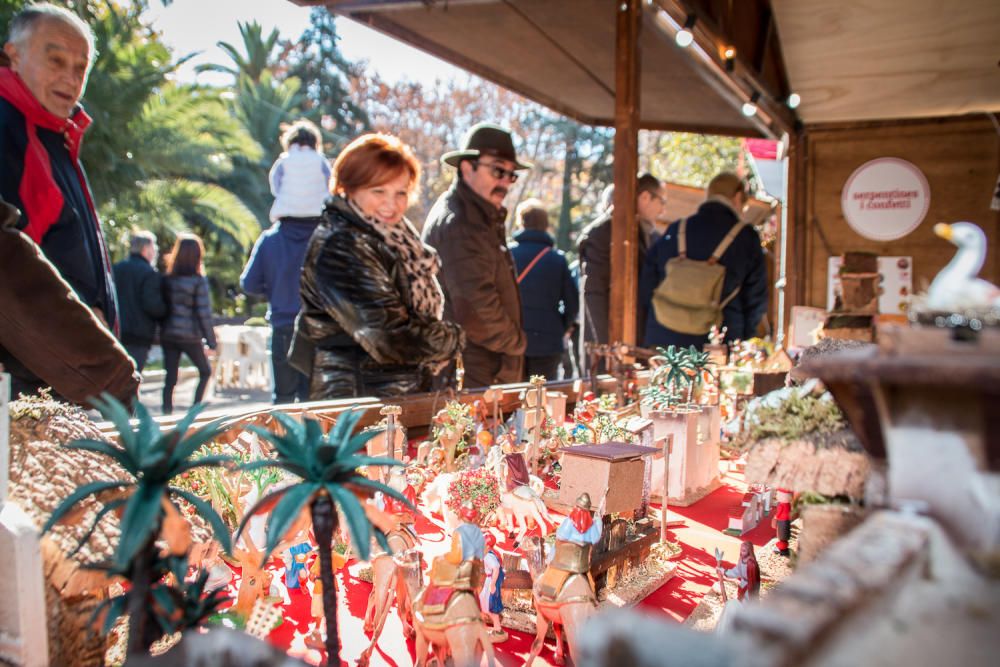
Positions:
{"x": 40, "y": 196}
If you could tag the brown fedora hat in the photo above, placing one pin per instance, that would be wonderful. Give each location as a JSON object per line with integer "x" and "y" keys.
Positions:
{"x": 486, "y": 139}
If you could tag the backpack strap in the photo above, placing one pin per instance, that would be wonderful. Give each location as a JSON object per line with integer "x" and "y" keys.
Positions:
{"x": 530, "y": 266}
{"x": 682, "y": 243}
{"x": 725, "y": 243}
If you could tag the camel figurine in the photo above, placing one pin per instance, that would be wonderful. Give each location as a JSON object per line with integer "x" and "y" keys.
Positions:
{"x": 563, "y": 594}
{"x": 386, "y": 582}
{"x": 446, "y": 614}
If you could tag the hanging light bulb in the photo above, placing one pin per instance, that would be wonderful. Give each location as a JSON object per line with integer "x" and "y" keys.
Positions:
{"x": 793, "y": 101}
{"x": 750, "y": 108}
{"x": 729, "y": 55}
{"x": 685, "y": 36}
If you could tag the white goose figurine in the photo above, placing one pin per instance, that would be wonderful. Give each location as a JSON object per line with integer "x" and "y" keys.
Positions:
{"x": 956, "y": 287}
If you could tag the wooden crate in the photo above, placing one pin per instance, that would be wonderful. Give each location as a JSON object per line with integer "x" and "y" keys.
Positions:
{"x": 617, "y": 469}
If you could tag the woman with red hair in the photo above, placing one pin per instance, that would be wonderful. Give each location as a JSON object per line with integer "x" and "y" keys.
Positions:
{"x": 370, "y": 323}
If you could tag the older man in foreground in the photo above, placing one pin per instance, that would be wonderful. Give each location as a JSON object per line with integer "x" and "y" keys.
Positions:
{"x": 41, "y": 128}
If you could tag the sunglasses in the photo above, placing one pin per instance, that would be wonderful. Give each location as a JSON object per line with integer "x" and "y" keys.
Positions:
{"x": 497, "y": 171}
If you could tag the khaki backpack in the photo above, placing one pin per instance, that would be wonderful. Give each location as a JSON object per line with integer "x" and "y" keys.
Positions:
{"x": 689, "y": 298}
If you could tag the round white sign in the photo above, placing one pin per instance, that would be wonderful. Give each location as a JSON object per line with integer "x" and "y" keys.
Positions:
{"x": 885, "y": 199}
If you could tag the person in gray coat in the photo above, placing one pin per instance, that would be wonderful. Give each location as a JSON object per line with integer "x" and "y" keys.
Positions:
{"x": 188, "y": 327}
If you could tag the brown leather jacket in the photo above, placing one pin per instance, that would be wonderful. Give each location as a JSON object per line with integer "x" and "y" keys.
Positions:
{"x": 480, "y": 286}
{"x": 48, "y": 337}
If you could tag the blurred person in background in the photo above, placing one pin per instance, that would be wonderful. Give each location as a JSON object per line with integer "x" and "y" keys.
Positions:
{"x": 188, "y": 327}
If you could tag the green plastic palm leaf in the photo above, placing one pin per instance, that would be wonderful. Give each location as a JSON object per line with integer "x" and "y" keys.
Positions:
{"x": 293, "y": 501}
{"x": 141, "y": 517}
{"x": 120, "y": 456}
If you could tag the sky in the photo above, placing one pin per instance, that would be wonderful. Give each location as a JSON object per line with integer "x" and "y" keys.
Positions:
{"x": 196, "y": 25}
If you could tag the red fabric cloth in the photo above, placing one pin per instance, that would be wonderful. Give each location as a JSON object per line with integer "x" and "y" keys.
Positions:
{"x": 581, "y": 518}
{"x": 39, "y": 193}
{"x": 753, "y": 580}
{"x": 783, "y": 512}
{"x": 517, "y": 471}
{"x": 393, "y": 506}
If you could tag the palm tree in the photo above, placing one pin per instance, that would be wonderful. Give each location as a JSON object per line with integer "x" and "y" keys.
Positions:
{"x": 257, "y": 59}
{"x": 327, "y": 467}
{"x": 147, "y": 500}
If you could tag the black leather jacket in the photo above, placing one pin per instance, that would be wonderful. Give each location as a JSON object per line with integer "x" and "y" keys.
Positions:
{"x": 357, "y": 334}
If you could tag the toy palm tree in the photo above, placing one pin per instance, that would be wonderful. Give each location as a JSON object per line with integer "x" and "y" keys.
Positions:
{"x": 698, "y": 365}
{"x": 146, "y": 500}
{"x": 328, "y": 469}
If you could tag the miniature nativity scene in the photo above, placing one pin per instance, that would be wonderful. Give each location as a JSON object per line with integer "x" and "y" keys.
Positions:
{"x": 496, "y": 526}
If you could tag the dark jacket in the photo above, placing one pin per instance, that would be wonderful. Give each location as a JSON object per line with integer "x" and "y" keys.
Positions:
{"x": 595, "y": 269}
{"x": 549, "y": 296}
{"x": 74, "y": 243}
{"x": 357, "y": 334}
{"x": 275, "y": 268}
{"x": 745, "y": 268}
{"x": 140, "y": 299}
{"x": 480, "y": 287}
{"x": 190, "y": 318}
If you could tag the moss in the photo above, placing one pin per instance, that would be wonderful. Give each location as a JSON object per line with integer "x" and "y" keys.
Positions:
{"x": 796, "y": 417}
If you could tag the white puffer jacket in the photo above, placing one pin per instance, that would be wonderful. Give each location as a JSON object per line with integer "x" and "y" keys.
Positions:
{"x": 300, "y": 183}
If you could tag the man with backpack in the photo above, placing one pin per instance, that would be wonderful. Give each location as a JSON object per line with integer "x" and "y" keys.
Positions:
{"x": 707, "y": 269}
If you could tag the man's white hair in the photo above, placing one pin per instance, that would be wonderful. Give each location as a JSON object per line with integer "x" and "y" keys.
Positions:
{"x": 23, "y": 25}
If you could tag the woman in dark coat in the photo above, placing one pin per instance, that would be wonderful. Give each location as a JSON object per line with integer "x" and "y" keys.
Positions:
{"x": 370, "y": 323}
{"x": 188, "y": 327}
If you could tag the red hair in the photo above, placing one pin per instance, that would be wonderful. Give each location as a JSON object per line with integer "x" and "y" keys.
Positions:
{"x": 372, "y": 160}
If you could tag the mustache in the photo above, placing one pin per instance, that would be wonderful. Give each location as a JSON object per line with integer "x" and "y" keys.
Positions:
{"x": 499, "y": 190}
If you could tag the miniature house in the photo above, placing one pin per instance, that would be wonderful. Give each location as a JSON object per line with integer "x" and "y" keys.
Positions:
{"x": 618, "y": 469}
{"x": 694, "y": 454}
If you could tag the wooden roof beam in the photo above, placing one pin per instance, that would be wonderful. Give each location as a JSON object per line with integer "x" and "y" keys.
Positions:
{"x": 737, "y": 83}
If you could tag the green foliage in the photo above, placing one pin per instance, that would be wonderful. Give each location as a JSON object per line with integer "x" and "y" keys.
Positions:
{"x": 326, "y": 74}
{"x": 152, "y": 460}
{"x": 180, "y": 603}
{"x": 693, "y": 159}
{"x": 324, "y": 465}
{"x": 797, "y": 416}
{"x": 257, "y": 59}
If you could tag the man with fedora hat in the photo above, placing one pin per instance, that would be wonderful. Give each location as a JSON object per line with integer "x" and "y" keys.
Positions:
{"x": 466, "y": 227}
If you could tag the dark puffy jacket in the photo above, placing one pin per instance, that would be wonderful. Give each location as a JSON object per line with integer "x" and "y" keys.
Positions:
{"x": 480, "y": 287}
{"x": 357, "y": 334}
{"x": 140, "y": 299}
{"x": 190, "y": 319}
{"x": 275, "y": 267}
{"x": 745, "y": 268}
{"x": 549, "y": 297}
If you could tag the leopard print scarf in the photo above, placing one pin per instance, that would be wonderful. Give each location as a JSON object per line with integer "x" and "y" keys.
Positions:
{"x": 421, "y": 263}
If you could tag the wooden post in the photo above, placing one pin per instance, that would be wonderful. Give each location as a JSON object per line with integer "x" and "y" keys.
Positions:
{"x": 624, "y": 231}
{"x": 539, "y": 382}
{"x": 4, "y": 436}
{"x": 390, "y": 412}
{"x": 668, "y": 442}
